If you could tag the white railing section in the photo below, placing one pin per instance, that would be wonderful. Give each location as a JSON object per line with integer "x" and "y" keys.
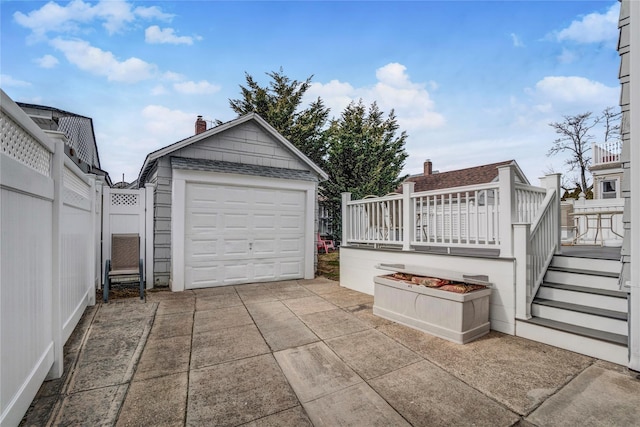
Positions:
{"x": 536, "y": 243}
{"x": 528, "y": 201}
{"x": 457, "y": 217}
{"x": 375, "y": 220}
{"x": 478, "y": 216}
{"x": 608, "y": 152}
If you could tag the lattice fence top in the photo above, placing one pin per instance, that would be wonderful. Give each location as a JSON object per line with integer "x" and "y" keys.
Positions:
{"x": 18, "y": 144}
{"x": 79, "y": 134}
{"x": 124, "y": 199}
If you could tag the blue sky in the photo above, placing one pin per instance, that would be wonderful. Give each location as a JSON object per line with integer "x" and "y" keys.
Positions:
{"x": 472, "y": 82}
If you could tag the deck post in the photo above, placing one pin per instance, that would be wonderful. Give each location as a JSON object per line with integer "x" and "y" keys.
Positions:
{"x": 508, "y": 214}
{"x": 346, "y": 225}
{"x": 408, "y": 224}
{"x": 552, "y": 182}
{"x": 521, "y": 251}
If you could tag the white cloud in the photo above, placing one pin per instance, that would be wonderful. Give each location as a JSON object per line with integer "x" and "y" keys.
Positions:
{"x": 152, "y": 12}
{"x": 103, "y": 63}
{"x": 8, "y": 81}
{"x": 198, "y": 88}
{"x": 47, "y": 61}
{"x": 573, "y": 91}
{"x": 167, "y": 124}
{"x": 516, "y": 40}
{"x": 414, "y": 108}
{"x": 171, "y": 76}
{"x": 156, "y": 35}
{"x": 593, "y": 28}
{"x": 114, "y": 14}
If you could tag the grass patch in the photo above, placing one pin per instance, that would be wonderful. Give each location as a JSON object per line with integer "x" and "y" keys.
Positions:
{"x": 329, "y": 265}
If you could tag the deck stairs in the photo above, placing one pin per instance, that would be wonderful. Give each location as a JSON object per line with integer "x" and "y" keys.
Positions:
{"x": 579, "y": 307}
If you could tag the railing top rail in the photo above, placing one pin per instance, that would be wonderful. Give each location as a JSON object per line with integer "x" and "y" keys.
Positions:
{"x": 75, "y": 170}
{"x": 533, "y": 188}
{"x": 375, "y": 199}
{"x": 17, "y": 114}
{"x": 463, "y": 189}
{"x": 546, "y": 205}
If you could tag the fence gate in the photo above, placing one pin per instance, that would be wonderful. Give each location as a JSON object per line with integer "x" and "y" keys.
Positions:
{"x": 127, "y": 211}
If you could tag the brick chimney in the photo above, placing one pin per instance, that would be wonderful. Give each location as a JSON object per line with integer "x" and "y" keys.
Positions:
{"x": 428, "y": 167}
{"x": 201, "y": 125}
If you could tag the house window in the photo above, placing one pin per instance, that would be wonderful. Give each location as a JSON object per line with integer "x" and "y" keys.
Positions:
{"x": 609, "y": 189}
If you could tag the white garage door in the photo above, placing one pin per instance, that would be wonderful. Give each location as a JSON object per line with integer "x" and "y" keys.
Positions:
{"x": 239, "y": 234}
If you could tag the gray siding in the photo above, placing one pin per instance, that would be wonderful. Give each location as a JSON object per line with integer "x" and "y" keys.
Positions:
{"x": 624, "y": 48}
{"x": 246, "y": 143}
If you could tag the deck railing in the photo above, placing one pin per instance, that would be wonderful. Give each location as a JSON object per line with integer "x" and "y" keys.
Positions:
{"x": 520, "y": 221}
{"x": 478, "y": 216}
{"x": 609, "y": 152}
{"x": 537, "y": 243}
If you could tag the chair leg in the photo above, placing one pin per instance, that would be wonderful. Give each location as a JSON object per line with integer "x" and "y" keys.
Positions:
{"x": 141, "y": 281}
{"x": 105, "y": 286}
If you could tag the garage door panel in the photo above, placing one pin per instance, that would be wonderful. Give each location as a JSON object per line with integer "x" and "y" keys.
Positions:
{"x": 239, "y": 235}
{"x": 291, "y": 268}
{"x": 265, "y": 222}
{"x": 235, "y": 248}
{"x": 291, "y": 246}
{"x": 290, "y": 222}
{"x": 202, "y": 221}
{"x": 264, "y": 247}
{"x": 202, "y": 250}
{"x": 238, "y": 272}
{"x": 203, "y": 277}
{"x": 238, "y": 222}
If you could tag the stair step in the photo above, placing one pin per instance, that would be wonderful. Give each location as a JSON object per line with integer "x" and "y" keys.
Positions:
{"x": 611, "y": 352}
{"x": 585, "y": 272}
{"x": 580, "y": 330}
{"x": 586, "y": 289}
{"x": 582, "y": 278}
{"x": 581, "y": 295}
{"x": 581, "y": 315}
{"x": 594, "y": 311}
{"x": 562, "y": 261}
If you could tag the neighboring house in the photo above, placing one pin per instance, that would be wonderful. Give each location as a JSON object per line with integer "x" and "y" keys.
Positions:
{"x": 606, "y": 169}
{"x": 232, "y": 204}
{"x": 431, "y": 180}
{"x": 80, "y": 141}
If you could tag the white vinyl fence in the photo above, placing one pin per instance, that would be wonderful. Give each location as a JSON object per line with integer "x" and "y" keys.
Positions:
{"x": 47, "y": 256}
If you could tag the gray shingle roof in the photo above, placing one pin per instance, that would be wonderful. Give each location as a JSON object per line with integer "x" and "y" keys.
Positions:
{"x": 240, "y": 168}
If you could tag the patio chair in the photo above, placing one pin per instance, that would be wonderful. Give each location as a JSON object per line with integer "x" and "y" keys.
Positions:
{"x": 325, "y": 244}
{"x": 125, "y": 266}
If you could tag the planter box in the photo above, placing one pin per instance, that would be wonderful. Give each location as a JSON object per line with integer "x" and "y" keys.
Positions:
{"x": 455, "y": 317}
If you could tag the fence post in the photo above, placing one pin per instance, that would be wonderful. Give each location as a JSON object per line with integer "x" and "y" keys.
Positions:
{"x": 91, "y": 256}
{"x": 106, "y": 227}
{"x": 552, "y": 182}
{"x": 149, "y": 187}
{"x": 508, "y": 211}
{"x": 346, "y": 225}
{"x": 57, "y": 174}
{"x": 408, "y": 224}
{"x": 521, "y": 235}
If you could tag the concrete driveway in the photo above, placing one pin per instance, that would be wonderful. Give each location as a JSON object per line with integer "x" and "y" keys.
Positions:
{"x": 312, "y": 353}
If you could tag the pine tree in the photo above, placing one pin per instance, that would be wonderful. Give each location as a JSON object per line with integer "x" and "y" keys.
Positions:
{"x": 279, "y": 104}
{"x": 365, "y": 156}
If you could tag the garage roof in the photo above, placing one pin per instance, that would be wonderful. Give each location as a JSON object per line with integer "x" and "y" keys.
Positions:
{"x": 152, "y": 157}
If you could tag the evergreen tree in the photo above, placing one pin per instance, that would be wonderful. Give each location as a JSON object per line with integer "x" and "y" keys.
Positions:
{"x": 279, "y": 104}
{"x": 365, "y": 156}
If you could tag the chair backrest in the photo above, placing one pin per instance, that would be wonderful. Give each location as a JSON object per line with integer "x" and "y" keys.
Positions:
{"x": 125, "y": 251}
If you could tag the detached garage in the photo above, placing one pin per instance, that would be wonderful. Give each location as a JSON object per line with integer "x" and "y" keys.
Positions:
{"x": 233, "y": 204}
